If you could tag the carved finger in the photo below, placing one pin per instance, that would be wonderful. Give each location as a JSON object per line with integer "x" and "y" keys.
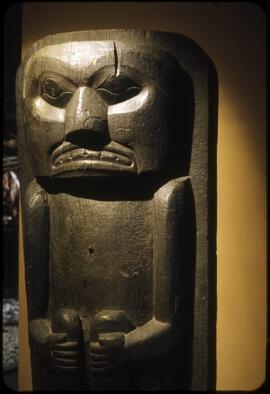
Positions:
{"x": 101, "y": 369}
{"x": 66, "y": 346}
{"x": 53, "y": 339}
{"x": 66, "y": 354}
{"x": 66, "y": 362}
{"x": 96, "y": 348}
{"x": 99, "y": 357}
{"x": 66, "y": 369}
{"x": 98, "y": 365}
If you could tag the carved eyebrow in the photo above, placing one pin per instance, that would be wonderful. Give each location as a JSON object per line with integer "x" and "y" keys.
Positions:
{"x": 101, "y": 75}
{"x": 62, "y": 67}
{"x": 89, "y": 73}
{"x": 60, "y": 79}
{"x": 59, "y": 67}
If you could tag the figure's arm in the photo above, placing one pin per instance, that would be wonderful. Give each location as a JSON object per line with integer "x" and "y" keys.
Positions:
{"x": 58, "y": 349}
{"x": 164, "y": 331}
{"x": 36, "y": 247}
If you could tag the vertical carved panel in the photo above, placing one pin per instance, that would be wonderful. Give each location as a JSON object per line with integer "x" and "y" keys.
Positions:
{"x": 117, "y": 140}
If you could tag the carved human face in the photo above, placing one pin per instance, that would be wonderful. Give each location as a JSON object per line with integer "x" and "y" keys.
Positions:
{"x": 98, "y": 108}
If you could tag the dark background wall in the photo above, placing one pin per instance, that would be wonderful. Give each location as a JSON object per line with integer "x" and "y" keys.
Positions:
{"x": 12, "y": 52}
{"x": 12, "y": 58}
{"x": 234, "y": 36}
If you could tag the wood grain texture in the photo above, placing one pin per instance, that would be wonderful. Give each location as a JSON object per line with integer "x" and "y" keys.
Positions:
{"x": 118, "y": 228}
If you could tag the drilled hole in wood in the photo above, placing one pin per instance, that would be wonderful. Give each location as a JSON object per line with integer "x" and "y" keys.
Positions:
{"x": 90, "y": 250}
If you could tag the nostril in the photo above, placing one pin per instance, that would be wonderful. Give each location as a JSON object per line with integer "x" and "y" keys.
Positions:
{"x": 92, "y": 135}
{"x": 89, "y": 139}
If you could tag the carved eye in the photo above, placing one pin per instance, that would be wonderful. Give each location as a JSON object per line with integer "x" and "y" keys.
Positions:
{"x": 55, "y": 93}
{"x": 118, "y": 88}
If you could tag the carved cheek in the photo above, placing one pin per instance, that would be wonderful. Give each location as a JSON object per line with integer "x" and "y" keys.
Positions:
{"x": 44, "y": 128}
{"x": 46, "y": 123}
{"x": 46, "y": 112}
{"x": 123, "y": 118}
{"x": 142, "y": 124}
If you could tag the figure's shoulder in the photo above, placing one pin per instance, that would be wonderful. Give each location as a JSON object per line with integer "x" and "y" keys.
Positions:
{"x": 173, "y": 190}
{"x": 35, "y": 196}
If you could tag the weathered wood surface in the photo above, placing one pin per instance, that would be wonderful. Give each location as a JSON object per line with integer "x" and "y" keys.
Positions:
{"x": 117, "y": 139}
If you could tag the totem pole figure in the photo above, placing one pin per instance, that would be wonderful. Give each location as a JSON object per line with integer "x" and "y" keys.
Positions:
{"x": 114, "y": 134}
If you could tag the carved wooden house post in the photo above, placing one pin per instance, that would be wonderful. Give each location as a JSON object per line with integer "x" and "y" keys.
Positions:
{"x": 117, "y": 142}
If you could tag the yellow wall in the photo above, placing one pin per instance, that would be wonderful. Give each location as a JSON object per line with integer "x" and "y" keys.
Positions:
{"x": 234, "y": 36}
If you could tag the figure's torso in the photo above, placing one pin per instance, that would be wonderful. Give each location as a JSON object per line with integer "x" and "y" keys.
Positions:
{"x": 101, "y": 256}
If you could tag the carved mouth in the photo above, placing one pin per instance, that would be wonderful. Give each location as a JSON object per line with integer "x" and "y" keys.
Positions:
{"x": 113, "y": 157}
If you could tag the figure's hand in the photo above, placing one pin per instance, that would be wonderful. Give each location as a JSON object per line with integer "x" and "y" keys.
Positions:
{"x": 54, "y": 348}
{"x": 108, "y": 353}
{"x": 64, "y": 354}
{"x": 39, "y": 330}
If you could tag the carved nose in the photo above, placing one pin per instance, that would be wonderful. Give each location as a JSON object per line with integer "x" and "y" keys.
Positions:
{"x": 83, "y": 126}
{"x": 94, "y": 136}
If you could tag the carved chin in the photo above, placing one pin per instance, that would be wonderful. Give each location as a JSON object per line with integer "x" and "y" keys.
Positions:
{"x": 72, "y": 161}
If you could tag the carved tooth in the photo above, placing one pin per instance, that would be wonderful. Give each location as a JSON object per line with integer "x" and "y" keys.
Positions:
{"x": 58, "y": 162}
{"x": 95, "y": 155}
{"x": 125, "y": 160}
{"x": 107, "y": 156}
